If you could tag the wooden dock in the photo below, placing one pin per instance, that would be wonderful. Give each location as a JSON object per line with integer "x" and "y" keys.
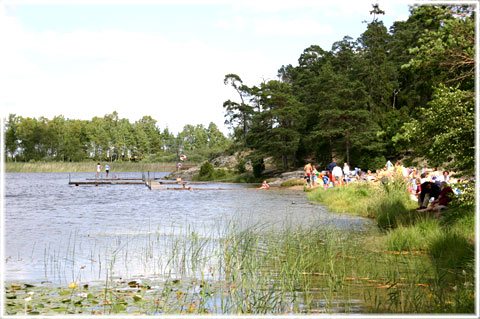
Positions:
{"x": 105, "y": 182}
{"x": 150, "y": 182}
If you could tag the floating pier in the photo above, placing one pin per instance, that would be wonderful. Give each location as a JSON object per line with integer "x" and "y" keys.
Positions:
{"x": 151, "y": 182}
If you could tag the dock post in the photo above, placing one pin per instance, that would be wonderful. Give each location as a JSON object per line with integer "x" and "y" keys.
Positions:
{"x": 69, "y": 180}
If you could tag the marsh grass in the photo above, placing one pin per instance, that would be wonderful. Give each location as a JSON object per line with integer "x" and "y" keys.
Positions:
{"x": 249, "y": 269}
{"x": 448, "y": 242}
{"x": 79, "y": 167}
{"x": 355, "y": 198}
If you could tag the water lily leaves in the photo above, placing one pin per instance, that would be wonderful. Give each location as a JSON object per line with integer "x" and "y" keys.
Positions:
{"x": 59, "y": 309}
{"x": 64, "y": 292}
{"x": 119, "y": 307}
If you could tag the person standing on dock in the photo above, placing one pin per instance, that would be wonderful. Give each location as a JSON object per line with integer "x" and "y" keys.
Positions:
{"x": 107, "y": 169}
{"x": 99, "y": 169}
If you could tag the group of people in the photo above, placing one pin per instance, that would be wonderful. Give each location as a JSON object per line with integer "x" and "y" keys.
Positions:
{"x": 332, "y": 176}
{"x": 99, "y": 170}
{"x": 427, "y": 186}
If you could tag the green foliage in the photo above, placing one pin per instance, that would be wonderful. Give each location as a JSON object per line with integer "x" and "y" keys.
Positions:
{"x": 258, "y": 168}
{"x": 452, "y": 250}
{"x": 109, "y": 138}
{"x": 292, "y": 182}
{"x": 380, "y": 96}
{"x": 206, "y": 171}
{"x": 445, "y": 132}
{"x": 240, "y": 167}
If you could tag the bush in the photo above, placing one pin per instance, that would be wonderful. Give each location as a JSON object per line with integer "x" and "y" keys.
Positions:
{"x": 240, "y": 167}
{"x": 206, "y": 171}
{"x": 258, "y": 168}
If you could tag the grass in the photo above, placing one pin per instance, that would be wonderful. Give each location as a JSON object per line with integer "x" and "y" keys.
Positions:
{"x": 256, "y": 270}
{"x": 91, "y": 166}
{"x": 293, "y": 182}
{"x": 448, "y": 241}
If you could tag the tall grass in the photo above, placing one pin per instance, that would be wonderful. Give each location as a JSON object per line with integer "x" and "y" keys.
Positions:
{"x": 448, "y": 241}
{"x": 78, "y": 167}
{"x": 260, "y": 269}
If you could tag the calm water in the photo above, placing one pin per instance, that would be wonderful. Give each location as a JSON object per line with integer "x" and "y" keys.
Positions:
{"x": 56, "y": 232}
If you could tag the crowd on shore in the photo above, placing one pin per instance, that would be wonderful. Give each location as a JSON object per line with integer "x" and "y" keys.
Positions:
{"x": 426, "y": 185}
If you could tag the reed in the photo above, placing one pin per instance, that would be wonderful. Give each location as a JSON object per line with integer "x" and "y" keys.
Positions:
{"x": 239, "y": 268}
{"x": 80, "y": 167}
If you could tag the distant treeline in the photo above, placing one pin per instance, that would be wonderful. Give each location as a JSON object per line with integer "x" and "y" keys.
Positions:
{"x": 107, "y": 138}
{"x": 407, "y": 90}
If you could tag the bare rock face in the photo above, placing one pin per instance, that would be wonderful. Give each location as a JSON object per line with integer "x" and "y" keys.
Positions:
{"x": 287, "y": 176}
{"x": 229, "y": 162}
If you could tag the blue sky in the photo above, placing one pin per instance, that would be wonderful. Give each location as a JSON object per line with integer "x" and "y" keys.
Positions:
{"x": 164, "y": 58}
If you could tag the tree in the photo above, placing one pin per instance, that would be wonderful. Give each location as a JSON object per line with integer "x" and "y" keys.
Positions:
{"x": 445, "y": 134}
{"x": 275, "y": 129}
{"x": 238, "y": 114}
{"x": 449, "y": 48}
{"x": 11, "y": 136}
{"x": 377, "y": 71}
{"x": 216, "y": 139}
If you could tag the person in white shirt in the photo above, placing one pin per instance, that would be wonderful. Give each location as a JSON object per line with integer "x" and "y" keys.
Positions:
{"x": 337, "y": 174}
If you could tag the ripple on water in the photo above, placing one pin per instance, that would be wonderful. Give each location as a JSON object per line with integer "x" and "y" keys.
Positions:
{"x": 52, "y": 216}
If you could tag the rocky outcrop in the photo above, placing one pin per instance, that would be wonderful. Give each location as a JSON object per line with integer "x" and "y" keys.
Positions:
{"x": 230, "y": 162}
{"x": 278, "y": 180}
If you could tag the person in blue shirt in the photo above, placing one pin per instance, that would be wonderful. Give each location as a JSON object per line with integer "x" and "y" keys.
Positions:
{"x": 325, "y": 180}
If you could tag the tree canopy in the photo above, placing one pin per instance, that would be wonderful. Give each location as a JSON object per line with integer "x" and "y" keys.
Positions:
{"x": 404, "y": 93}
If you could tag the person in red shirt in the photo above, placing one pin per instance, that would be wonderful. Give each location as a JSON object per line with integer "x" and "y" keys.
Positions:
{"x": 443, "y": 199}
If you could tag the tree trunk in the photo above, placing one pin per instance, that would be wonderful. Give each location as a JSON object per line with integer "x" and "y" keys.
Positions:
{"x": 285, "y": 162}
{"x": 348, "y": 150}
{"x": 330, "y": 147}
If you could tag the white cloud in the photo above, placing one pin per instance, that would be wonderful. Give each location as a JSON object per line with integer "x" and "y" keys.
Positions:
{"x": 83, "y": 74}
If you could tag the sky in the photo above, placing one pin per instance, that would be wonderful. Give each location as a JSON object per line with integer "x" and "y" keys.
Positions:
{"x": 166, "y": 59}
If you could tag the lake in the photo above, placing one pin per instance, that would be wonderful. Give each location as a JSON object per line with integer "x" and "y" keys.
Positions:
{"x": 59, "y": 233}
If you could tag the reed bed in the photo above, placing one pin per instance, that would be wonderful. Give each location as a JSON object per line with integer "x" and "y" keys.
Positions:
{"x": 80, "y": 167}
{"x": 242, "y": 269}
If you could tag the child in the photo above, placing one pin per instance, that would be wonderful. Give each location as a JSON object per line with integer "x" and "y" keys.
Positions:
{"x": 325, "y": 180}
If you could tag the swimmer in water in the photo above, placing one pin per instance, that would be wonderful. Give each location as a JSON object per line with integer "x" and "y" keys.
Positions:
{"x": 265, "y": 185}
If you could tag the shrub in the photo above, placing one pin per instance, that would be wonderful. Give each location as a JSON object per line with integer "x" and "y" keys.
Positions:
{"x": 258, "y": 168}
{"x": 240, "y": 167}
{"x": 206, "y": 170}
